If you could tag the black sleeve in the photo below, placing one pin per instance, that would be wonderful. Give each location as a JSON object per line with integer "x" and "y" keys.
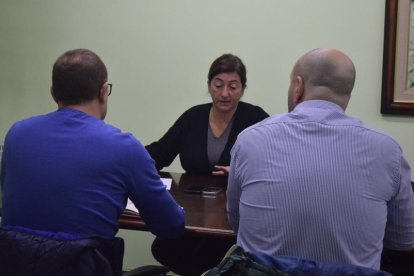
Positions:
{"x": 249, "y": 115}
{"x": 168, "y": 147}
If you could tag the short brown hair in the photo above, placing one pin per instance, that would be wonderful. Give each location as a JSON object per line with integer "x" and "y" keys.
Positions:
{"x": 77, "y": 76}
{"x": 228, "y": 63}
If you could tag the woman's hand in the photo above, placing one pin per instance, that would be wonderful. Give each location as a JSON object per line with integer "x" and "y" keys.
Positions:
{"x": 221, "y": 170}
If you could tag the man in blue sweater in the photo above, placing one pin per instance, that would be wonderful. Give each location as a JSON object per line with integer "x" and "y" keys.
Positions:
{"x": 68, "y": 171}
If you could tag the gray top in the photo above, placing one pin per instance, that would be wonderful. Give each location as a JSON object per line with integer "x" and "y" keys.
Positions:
{"x": 215, "y": 145}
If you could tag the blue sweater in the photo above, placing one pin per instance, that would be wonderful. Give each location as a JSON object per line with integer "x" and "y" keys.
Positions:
{"x": 69, "y": 172}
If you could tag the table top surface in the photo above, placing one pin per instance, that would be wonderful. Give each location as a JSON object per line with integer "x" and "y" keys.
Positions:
{"x": 205, "y": 214}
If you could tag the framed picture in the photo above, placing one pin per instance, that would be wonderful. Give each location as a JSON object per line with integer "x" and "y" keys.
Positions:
{"x": 398, "y": 63}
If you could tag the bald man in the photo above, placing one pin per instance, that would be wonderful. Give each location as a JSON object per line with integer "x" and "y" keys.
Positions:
{"x": 316, "y": 183}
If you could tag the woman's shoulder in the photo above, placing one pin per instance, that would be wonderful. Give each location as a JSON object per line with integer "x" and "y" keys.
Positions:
{"x": 249, "y": 106}
{"x": 245, "y": 108}
{"x": 197, "y": 110}
{"x": 199, "y": 107}
{"x": 193, "y": 114}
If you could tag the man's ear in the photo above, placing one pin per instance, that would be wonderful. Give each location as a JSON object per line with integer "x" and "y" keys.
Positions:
{"x": 52, "y": 92}
{"x": 102, "y": 97}
{"x": 299, "y": 91}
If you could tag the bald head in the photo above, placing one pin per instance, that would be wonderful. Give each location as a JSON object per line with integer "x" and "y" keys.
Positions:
{"x": 327, "y": 74}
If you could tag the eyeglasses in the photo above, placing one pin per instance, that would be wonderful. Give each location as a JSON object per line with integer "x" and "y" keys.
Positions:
{"x": 110, "y": 88}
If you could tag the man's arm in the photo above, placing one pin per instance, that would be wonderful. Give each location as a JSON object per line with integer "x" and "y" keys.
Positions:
{"x": 233, "y": 191}
{"x": 163, "y": 216}
{"x": 399, "y": 233}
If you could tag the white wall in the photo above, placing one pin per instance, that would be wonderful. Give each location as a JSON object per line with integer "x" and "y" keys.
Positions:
{"x": 158, "y": 53}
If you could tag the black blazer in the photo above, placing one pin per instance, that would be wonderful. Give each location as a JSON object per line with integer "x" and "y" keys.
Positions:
{"x": 188, "y": 138}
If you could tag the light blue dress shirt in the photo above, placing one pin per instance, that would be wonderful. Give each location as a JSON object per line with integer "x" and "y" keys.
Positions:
{"x": 316, "y": 183}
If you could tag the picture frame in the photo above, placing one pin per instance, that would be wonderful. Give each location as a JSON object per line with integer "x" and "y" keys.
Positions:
{"x": 398, "y": 68}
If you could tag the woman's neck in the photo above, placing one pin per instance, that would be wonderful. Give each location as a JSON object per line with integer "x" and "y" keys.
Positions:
{"x": 220, "y": 120}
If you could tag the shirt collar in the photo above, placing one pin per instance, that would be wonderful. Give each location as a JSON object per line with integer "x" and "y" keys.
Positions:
{"x": 319, "y": 104}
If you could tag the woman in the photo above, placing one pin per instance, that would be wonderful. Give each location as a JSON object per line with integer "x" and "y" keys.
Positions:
{"x": 204, "y": 135}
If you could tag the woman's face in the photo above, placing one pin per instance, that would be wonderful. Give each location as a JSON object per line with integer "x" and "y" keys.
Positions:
{"x": 226, "y": 90}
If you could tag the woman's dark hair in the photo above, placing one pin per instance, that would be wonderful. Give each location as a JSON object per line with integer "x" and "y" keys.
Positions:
{"x": 228, "y": 63}
{"x": 77, "y": 77}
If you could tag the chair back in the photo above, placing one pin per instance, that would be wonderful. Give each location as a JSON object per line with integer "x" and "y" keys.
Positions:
{"x": 398, "y": 262}
{"x": 239, "y": 262}
{"x": 30, "y": 254}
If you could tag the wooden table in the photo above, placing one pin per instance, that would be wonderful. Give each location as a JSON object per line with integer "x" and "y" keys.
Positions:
{"x": 208, "y": 216}
{"x": 205, "y": 215}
